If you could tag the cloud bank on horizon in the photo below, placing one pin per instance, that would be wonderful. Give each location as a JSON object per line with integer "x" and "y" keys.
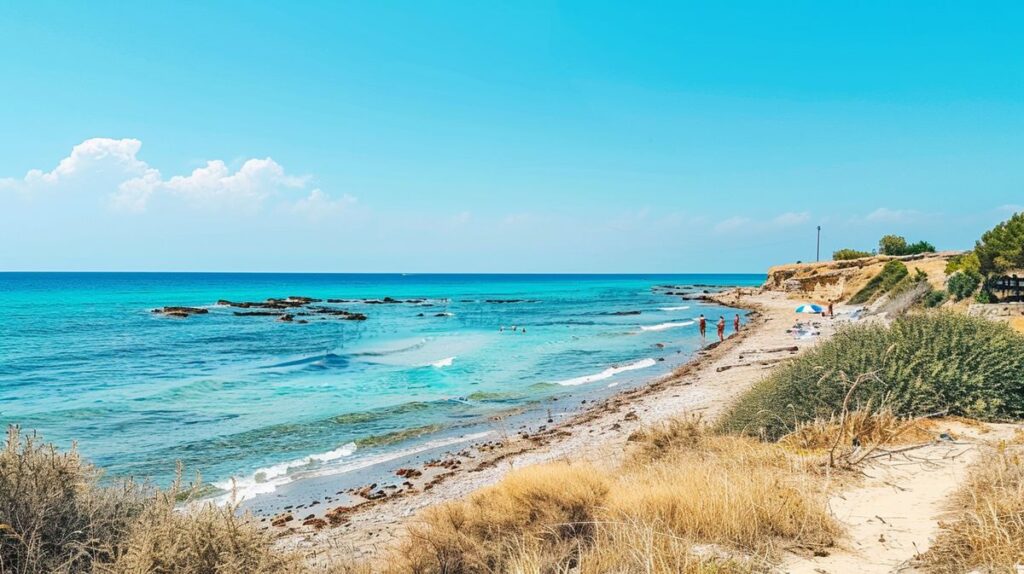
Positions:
{"x": 108, "y": 182}
{"x": 99, "y": 162}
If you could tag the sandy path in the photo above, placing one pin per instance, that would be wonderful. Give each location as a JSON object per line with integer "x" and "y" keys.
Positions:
{"x": 704, "y": 386}
{"x": 893, "y": 514}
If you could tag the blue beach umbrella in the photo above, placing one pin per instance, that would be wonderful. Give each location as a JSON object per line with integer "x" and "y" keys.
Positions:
{"x": 816, "y": 309}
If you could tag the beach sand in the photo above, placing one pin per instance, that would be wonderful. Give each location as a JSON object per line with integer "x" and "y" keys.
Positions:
{"x": 705, "y": 386}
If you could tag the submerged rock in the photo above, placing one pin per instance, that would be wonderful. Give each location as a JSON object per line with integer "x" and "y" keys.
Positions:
{"x": 181, "y": 312}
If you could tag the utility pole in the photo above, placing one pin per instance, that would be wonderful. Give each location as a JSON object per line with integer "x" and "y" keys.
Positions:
{"x": 817, "y": 254}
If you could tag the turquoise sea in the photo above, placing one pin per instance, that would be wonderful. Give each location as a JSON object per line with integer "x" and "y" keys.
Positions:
{"x": 83, "y": 358}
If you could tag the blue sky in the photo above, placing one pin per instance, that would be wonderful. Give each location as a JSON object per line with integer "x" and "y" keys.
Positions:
{"x": 500, "y": 137}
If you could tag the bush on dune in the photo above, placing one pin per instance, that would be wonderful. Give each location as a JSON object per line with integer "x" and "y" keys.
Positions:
{"x": 56, "y": 518}
{"x": 848, "y": 254}
{"x": 922, "y": 364}
{"x": 963, "y": 284}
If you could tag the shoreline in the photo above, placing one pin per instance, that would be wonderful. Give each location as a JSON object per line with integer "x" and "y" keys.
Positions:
{"x": 360, "y": 529}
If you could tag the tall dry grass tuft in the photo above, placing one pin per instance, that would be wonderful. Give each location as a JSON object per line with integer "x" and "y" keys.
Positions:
{"x": 56, "y": 518}
{"x": 850, "y": 437}
{"x": 537, "y": 514}
{"x": 681, "y": 492}
{"x": 53, "y": 515}
{"x": 988, "y": 531}
{"x": 204, "y": 539}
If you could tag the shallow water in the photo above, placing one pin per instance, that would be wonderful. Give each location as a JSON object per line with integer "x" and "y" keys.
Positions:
{"x": 83, "y": 358}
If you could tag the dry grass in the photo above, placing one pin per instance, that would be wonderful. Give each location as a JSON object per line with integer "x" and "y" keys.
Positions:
{"x": 205, "y": 539}
{"x": 850, "y": 437}
{"x": 685, "y": 501}
{"x": 56, "y": 518}
{"x": 988, "y": 531}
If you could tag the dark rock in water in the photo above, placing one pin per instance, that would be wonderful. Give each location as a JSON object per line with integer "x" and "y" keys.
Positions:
{"x": 340, "y": 313}
{"x": 258, "y": 313}
{"x": 625, "y": 313}
{"x": 286, "y": 318}
{"x": 419, "y": 315}
{"x": 339, "y": 301}
{"x": 282, "y": 303}
{"x": 510, "y": 301}
{"x": 442, "y": 315}
{"x": 181, "y": 312}
{"x": 303, "y": 300}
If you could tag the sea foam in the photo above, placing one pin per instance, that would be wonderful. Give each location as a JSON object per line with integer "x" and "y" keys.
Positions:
{"x": 609, "y": 373}
{"x": 446, "y": 362}
{"x": 679, "y": 308}
{"x": 267, "y": 479}
{"x": 663, "y": 326}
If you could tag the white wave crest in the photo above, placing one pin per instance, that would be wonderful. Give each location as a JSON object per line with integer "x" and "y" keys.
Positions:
{"x": 679, "y": 308}
{"x": 609, "y": 373}
{"x": 663, "y": 326}
{"x": 446, "y": 362}
{"x": 267, "y": 479}
{"x": 383, "y": 457}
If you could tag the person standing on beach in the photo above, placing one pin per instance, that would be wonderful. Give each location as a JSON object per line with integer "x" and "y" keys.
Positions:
{"x": 702, "y": 324}
{"x": 721, "y": 328}
{"x": 736, "y": 323}
{"x": 830, "y": 313}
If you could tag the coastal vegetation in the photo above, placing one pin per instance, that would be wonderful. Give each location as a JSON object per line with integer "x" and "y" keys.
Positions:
{"x": 987, "y": 531}
{"x": 923, "y": 364}
{"x": 57, "y": 518}
{"x": 897, "y": 245}
{"x": 684, "y": 500}
{"x": 848, "y": 254}
{"x": 1001, "y": 248}
{"x": 892, "y": 273}
{"x": 963, "y": 284}
{"x": 894, "y": 245}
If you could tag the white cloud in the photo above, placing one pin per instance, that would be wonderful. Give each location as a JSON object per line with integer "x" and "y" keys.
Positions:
{"x": 791, "y": 218}
{"x": 731, "y": 224}
{"x": 96, "y": 155}
{"x": 886, "y": 215}
{"x": 114, "y": 165}
{"x": 318, "y": 205}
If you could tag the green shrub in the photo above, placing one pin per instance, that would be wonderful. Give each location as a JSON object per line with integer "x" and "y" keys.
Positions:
{"x": 897, "y": 245}
{"x": 892, "y": 245}
{"x": 908, "y": 282}
{"x": 935, "y": 298}
{"x": 919, "y": 247}
{"x": 938, "y": 362}
{"x": 892, "y": 273}
{"x": 847, "y": 254}
{"x": 1001, "y": 249}
{"x": 984, "y": 297}
{"x": 964, "y": 262}
{"x": 963, "y": 284}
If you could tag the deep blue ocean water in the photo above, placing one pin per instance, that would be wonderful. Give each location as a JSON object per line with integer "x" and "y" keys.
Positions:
{"x": 82, "y": 358}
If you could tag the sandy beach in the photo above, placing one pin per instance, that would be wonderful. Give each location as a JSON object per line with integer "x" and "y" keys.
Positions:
{"x": 704, "y": 386}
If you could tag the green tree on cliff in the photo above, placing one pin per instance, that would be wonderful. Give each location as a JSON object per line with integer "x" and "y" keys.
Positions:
{"x": 1001, "y": 249}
